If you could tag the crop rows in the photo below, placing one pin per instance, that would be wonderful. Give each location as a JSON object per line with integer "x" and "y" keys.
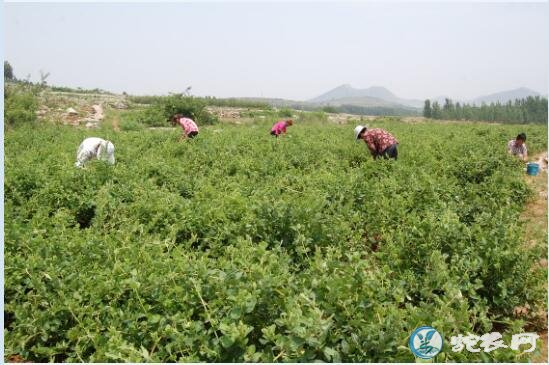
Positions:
{"x": 231, "y": 247}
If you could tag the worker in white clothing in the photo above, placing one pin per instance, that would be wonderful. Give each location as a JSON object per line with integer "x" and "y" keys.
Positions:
{"x": 517, "y": 147}
{"x": 92, "y": 148}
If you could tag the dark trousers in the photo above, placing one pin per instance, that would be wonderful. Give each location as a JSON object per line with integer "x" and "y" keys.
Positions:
{"x": 192, "y": 134}
{"x": 389, "y": 152}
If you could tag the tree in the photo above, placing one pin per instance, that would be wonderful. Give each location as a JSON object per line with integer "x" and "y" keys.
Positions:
{"x": 8, "y": 72}
{"x": 427, "y": 109}
{"x": 448, "y": 109}
{"x": 43, "y": 77}
{"x": 436, "y": 112}
{"x": 458, "y": 112}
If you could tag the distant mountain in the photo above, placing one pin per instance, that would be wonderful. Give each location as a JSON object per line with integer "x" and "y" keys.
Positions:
{"x": 347, "y": 91}
{"x": 505, "y": 96}
{"x": 366, "y": 101}
{"x": 358, "y": 106}
{"x": 372, "y": 96}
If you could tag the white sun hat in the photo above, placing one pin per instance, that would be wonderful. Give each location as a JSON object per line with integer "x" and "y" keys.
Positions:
{"x": 358, "y": 130}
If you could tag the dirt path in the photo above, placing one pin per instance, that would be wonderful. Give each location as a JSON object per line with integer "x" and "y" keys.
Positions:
{"x": 535, "y": 215}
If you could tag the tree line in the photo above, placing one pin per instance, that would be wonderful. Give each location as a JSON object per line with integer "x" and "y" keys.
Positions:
{"x": 532, "y": 109}
{"x": 377, "y": 110}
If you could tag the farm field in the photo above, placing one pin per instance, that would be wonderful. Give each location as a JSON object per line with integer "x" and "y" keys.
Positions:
{"x": 232, "y": 247}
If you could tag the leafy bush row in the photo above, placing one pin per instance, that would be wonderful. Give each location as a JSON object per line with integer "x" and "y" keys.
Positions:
{"x": 232, "y": 247}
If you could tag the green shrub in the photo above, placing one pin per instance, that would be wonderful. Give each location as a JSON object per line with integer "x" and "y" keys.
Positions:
{"x": 20, "y": 104}
{"x": 208, "y": 100}
{"x": 286, "y": 113}
{"x": 145, "y": 99}
{"x": 163, "y": 108}
{"x": 78, "y": 90}
{"x": 311, "y": 117}
{"x": 190, "y": 107}
{"x": 152, "y": 117}
{"x": 236, "y": 102}
{"x": 130, "y": 125}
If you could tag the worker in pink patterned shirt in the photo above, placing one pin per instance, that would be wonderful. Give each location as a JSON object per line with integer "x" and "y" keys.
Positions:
{"x": 280, "y": 127}
{"x": 190, "y": 129}
{"x": 380, "y": 142}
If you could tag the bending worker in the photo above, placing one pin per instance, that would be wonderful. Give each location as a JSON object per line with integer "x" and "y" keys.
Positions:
{"x": 190, "y": 129}
{"x": 379, "y": 142}
{"x": 94, "y": 148}
{"x": 517, "y": 147}
{"x": 280, "y": 127}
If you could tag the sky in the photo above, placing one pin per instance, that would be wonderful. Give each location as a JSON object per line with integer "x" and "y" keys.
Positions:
{"x": 287, "y": 50}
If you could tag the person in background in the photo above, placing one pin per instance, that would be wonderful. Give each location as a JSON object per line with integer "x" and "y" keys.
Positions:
{"x": 280, "y": 127}
{"x": 190, "y": 129}
{"x": 380, "y": 142}
{"x": 517, "y": 147}
{"x": 94, "y": 148}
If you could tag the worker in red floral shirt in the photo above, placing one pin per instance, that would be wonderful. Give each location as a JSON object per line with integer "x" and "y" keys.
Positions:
{"x": 379, "y": 142}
